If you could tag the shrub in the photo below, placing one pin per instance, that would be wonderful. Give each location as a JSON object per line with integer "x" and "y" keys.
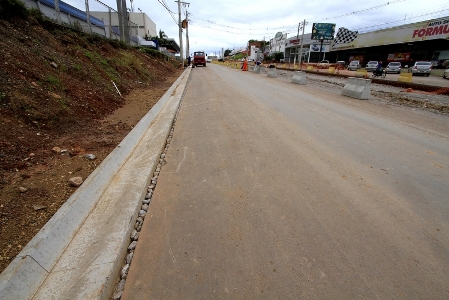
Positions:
{"x": 13, "y": 8}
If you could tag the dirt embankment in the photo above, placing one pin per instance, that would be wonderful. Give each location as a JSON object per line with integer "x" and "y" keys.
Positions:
{"x": 58, "y": 103}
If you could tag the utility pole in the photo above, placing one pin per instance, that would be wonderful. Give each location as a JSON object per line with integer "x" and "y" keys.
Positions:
{"x": 180, "y": 30}
{"x": 302, "y": 42}
{"x": 125, "y": 22}
{"x": 296, "y": 48}
{"x": 187, "y": 35}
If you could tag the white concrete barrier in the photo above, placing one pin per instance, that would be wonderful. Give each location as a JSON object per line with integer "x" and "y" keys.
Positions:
{"x": 358, "y": 88}
{"x": 256, "y": 69}
{"x": 272, "y": 72}
{"x": 299, "y": 78}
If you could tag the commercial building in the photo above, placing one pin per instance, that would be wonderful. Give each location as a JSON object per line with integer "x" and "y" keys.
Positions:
{"x": 141, "y": 23}
{"x": 426, "y": 40}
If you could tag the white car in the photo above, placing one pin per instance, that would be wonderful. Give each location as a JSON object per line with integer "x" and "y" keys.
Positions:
{"x": 371, "y": 65}
{"x": 422, "y": 67}
{"x": 394, "y": 67}
{"x": 354, "y": 65}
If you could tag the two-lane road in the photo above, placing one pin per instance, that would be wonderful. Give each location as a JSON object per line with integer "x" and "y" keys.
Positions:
{"x": 278, "y": 191}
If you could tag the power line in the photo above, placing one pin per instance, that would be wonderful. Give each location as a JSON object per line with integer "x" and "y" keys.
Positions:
{"x": 164, "y": 4}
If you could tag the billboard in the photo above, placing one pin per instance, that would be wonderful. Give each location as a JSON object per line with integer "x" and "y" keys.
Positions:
{"x": 323, "y": 31}
{"x": 400, "y": 56}
{"x": 315, "y": 47}
{"x": 421, "y": 31}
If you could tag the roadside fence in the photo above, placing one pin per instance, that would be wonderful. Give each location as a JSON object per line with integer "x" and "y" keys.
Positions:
{"x": 91, "y": 16}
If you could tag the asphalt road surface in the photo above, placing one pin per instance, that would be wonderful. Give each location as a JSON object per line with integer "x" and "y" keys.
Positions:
{"x": 278, "y": 191}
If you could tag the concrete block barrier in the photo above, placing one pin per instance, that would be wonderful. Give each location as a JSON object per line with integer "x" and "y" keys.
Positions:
{"x": 361, "y": 73}
{"x": 272, "y": 72}
{"x": 299, "y": 78}
{"x": 358, "y": 88}
{"x": 405, "y": 77}
{"x": 256, "y": 69}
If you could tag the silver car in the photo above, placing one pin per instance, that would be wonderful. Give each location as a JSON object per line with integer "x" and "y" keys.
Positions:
{"x": 394, "y": 67}
{"x": 371, "y": 66}
{"x": 354, "y": 65}
{"x": 422, "y": 67}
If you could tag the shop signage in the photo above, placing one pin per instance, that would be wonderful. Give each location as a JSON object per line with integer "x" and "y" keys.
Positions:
{"x": 323, "y": 31}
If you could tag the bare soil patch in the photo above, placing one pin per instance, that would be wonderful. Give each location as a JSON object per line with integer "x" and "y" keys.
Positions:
{"x": 57, "y": 104}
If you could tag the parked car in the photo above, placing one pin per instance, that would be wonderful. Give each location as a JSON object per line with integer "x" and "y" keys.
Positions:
{"x": 324, "y": 64}
{"x": 446, "y": 73}
{"x": 422, "y": 67}
{"x": 394, "y": 67}
{"x": 371, "y": 65}
{"x": 354, "y": 65}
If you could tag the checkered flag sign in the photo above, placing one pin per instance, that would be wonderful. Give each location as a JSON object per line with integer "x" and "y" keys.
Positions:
{"x": 345, "y": 36}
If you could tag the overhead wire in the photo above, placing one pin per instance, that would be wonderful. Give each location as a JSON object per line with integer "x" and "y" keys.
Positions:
{"x": 380, "y": 24}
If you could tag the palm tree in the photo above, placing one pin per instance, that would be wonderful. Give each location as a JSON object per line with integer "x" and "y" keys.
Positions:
{"x": 162, "y": 35}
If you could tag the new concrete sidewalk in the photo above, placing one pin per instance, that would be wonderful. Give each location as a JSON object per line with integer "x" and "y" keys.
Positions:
{"x": 79, "y": 252}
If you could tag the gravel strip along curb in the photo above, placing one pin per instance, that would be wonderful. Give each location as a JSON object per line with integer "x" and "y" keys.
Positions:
{"x": 134, "y": 237}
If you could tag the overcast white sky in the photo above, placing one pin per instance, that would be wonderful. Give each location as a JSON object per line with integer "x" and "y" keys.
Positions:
{"x": 230, "y": 24}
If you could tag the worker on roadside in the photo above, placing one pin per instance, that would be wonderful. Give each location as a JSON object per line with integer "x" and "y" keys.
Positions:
{"x": 245, "y": 64}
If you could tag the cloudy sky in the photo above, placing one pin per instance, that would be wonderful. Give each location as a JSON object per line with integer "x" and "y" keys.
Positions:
{"x": 229, "y": 24}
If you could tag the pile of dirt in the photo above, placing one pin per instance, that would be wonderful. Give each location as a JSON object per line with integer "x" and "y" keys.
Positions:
{"x": 58, "y": 103}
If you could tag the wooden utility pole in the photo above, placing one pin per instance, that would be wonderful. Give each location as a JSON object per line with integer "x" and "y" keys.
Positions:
{"x": 302, "y": 43}
{"x": 296, "y": 48}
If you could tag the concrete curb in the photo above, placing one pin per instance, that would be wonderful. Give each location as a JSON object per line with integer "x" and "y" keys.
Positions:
{"x": 79, "y": 252}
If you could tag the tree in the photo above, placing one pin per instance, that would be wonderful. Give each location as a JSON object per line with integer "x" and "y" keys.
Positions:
{"x": 227, "y": 52}
{"x": 162, "y": 35}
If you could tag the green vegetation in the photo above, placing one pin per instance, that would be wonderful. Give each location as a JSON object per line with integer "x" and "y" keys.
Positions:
{"x": 54, "y": 81}
{"x": 12, "y": 8}
{"x": 63, "y": 104}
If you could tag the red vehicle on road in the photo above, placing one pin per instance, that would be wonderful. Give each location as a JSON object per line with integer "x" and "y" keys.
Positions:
{"x": 199, "y": 58}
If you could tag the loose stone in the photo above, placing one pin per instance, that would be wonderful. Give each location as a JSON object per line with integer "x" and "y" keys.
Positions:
{"x": 139, "y": 228}
{"x": 132, "y": 246}
{"x": 146, "y": 201}
{"x": 22, "y": 189}
{"x": 75, "y": 181}
{"x": 145, "y": 207}
{"x": 142, "y": 213}
{"x": 134, "y": 235}
{"x": 117, "y": 295}
{"x": 121, "y": 285}
{"x": 124, "y": 272}
{"x": 129, "y": 257}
